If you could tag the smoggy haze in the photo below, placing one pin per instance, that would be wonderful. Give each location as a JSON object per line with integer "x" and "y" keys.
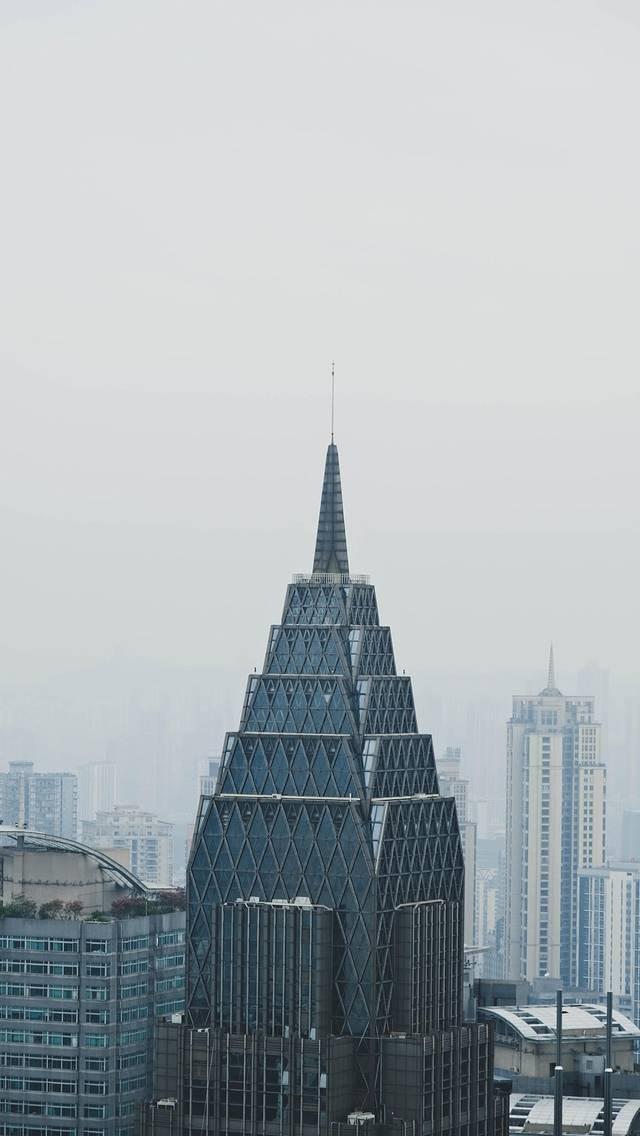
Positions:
{"x": 201, "y": 205}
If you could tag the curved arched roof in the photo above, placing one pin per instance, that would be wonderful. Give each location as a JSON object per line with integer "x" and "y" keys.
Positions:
{"x": 533, "y": 1112}
{"x": 117, "y": 871}
{"x": 538, "y": 1023}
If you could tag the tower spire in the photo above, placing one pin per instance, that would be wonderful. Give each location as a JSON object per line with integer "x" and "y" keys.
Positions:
{"x": 333, "y": 398}
{"x": 331, "y": 541}
{"x": 551, "y": 687}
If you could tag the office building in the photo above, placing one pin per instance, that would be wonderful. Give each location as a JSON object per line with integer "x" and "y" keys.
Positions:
{"x": 325, "y": 896}
{"x": 42, "y": 802}
{"x": 555, "y": 826}
{"x": 79, "y": 989}
{"x": 148, "y": 840}
{"x": 96, "y": 789}
{"x": 452, "y": 784}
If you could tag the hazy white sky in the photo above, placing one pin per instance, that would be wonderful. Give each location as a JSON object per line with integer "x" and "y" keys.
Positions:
{"x": 202, "y": 204}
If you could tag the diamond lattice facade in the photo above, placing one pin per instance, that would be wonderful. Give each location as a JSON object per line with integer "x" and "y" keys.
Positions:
{"x": 326, "y": 891}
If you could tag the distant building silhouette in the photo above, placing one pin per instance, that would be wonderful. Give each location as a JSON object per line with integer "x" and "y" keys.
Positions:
{"x": 452, "y": 784}
{"x": 97, "y": 788}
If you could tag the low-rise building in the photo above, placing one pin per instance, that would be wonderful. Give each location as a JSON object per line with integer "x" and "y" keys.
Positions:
{"x": 525, "y": 1046}
{"x": 531, "y": 1112}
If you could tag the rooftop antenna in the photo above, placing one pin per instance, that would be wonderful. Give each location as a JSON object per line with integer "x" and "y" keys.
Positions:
{"x": 333, "y": 397}
{"x": 607, "y": 1127}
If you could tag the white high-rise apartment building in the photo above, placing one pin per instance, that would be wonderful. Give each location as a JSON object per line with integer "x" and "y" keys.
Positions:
{"x": 97, "y": 788}
{"x": 148, "y": 839}
{"x": 453, "y": 785}
{"x": 555, "y": 826}
{"x": 609, "y": 933}
{"x": 41, "y": 802}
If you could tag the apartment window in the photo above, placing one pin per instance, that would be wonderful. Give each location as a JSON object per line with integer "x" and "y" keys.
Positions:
{"x": 130, "y": 1060}
{"x": 97, "y": 969}
{"x": 135, "y": 966}
{"x": 165, "y": 1008}
{"x": 134, "y": 990}
{"x": 96, "y": 1064}
{"x": 97, "y": 946}
{"x": 134, "y": 1013}
{"x": 133, "y": 1084}
{"x": 96, "y": 1017}
{"x": 168, "y": 938}
{"x": 95, "y": 1111}
{"x": 36, "y": 943}
{"x": 96, "y": 993}
{"x": 136, "y": 943}
{"x": 169, "y": 961}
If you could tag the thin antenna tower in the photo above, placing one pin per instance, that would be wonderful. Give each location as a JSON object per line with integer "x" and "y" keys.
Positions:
{"x": 333, "y": 397}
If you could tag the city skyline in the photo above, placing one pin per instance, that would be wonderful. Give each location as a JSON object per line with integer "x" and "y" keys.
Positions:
{"x": 230, "y": 234}
{"x": 464, "y": 257}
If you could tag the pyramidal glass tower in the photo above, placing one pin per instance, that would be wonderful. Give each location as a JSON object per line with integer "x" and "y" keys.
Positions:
{"x": 325, "y": 889}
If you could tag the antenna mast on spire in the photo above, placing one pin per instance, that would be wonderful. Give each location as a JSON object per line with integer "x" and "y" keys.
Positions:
{"x": 333, "y": 397}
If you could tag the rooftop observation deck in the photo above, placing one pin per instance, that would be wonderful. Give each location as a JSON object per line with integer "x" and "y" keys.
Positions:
{"x": 343, "y": 579}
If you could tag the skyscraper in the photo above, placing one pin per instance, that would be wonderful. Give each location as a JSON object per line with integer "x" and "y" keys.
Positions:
{"x": 452, "y": 784}
{"x": 555, "y": 826}
{"x": 326, "y": 894}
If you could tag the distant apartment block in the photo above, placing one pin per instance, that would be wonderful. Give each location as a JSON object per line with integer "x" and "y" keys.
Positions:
{"x": 207, "y": 783}
{"x": 609, "y": 933}
{"x": 42, "y": 802}
{"x": 452, "y": 784}
{"x": 148, "y": 840}
{"x": 555, "y": 827}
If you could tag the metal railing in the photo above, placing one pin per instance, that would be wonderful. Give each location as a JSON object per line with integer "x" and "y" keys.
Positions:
{"x": 331, "y": 578}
